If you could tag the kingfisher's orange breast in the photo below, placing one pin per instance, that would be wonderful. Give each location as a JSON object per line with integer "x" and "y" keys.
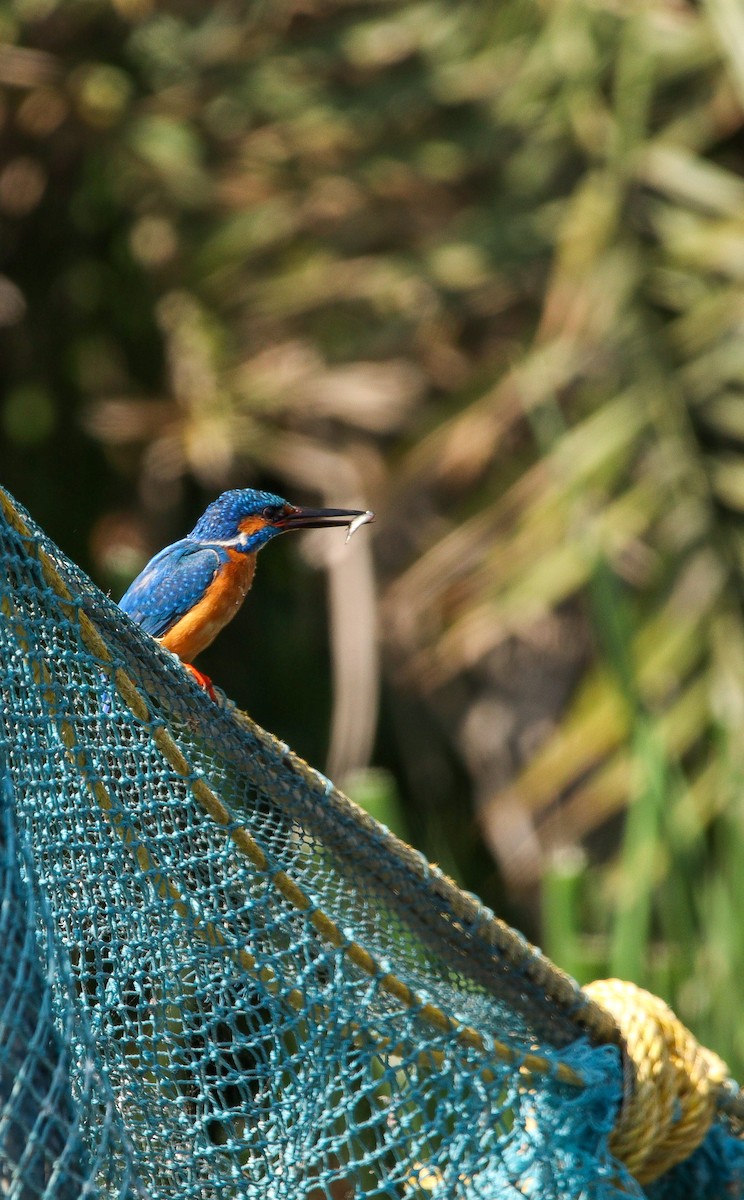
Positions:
{"x": 217, "y": 607}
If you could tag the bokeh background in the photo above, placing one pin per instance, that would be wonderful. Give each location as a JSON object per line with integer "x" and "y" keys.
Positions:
{"x": 477, "y": 266}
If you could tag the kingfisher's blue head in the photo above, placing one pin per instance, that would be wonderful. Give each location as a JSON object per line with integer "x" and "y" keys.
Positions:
{"x": 247, "y": 519}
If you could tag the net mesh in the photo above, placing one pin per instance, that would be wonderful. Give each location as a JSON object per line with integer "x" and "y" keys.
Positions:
{"x": 218, "y": 978}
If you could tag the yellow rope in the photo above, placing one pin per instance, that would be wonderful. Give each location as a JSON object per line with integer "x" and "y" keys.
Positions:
{"x": 674, "y": 1087}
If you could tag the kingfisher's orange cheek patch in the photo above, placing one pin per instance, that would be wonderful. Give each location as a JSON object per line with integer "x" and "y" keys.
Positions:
{"x": 252, "y": 524}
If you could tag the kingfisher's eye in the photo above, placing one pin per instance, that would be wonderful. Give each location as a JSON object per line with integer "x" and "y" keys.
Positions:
{"x": 269, "y": 512}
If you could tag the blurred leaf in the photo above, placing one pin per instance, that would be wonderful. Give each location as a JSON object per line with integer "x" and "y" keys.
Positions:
{"x": 375, "y": 790}
{"x": 28, "y": 414}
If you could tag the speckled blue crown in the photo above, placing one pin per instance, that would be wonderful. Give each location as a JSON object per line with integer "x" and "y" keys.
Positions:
{"x": 224, "y": 514}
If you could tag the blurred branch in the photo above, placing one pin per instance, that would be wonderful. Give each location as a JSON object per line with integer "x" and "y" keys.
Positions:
{"x": 351, "y": 595}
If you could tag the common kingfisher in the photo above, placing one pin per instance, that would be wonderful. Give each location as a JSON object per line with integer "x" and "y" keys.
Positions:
{"x": 189, "y": 591}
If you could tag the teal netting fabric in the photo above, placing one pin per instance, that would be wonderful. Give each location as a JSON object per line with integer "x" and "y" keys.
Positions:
{"x": 218, "y": 979}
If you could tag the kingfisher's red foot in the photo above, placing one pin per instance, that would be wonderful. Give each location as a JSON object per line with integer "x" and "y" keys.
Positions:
{"x": 205, "y": 683}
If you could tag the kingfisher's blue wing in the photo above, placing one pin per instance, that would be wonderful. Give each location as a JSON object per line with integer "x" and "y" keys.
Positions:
{"x": 171, "y": 584}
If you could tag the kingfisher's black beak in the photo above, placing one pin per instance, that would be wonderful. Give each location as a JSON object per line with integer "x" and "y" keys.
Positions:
{"x": 321, "y": 518}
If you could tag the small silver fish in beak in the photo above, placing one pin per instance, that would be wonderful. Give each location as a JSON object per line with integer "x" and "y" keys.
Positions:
{"x": 363, "y": 518}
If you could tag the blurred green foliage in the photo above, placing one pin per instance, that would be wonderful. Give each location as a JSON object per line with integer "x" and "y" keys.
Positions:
{"x": 480, "y": 267}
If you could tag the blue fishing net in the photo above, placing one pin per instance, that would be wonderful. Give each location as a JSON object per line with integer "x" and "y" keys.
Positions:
{"x": 220, "y": 979}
